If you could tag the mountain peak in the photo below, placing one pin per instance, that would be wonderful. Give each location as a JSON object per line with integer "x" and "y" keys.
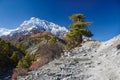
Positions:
{"x": 32, "y": 18}
{"x": 37, "y": 24}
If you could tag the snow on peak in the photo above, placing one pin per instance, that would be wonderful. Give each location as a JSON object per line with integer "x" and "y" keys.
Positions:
{"x": 4, "y": 31}
{"x": 36, "y": 23}
{"x": 32, "y": 18}
{"x": 42, "y": 25}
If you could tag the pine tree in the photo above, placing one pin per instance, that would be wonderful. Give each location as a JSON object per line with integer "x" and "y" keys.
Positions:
{"x": 78, "y": 29}
{"x": 26, "y": 61}
{"x": 15, "y": 57}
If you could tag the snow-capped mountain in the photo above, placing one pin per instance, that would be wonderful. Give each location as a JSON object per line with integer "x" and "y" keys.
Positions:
{"x": 36, "y": 24}
{"x": 4, "y": 31}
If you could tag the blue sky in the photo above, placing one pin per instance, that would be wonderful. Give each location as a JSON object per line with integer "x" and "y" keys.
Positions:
{"x": 104, "y": 14}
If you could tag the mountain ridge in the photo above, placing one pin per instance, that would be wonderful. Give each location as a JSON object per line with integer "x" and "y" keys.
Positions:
{"x": 35, "y": 24}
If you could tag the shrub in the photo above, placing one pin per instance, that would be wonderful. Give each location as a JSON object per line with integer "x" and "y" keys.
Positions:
{"x": 26, "y": 61}
{"x": 14, "y": 75}
{"x": 19, "y": 72}
{"x": 42, "y": 61}
{"x": 22, "y": 71}
{"x": 50, "y": 50}
{"x": 52, "y": 40}
{"x": 34, "y": 66}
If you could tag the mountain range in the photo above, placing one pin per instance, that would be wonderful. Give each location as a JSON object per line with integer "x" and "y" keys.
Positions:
{"x": 35, "y": 24}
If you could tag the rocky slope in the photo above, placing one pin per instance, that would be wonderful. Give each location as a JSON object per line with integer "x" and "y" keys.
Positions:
{"x": 93, "y": 61}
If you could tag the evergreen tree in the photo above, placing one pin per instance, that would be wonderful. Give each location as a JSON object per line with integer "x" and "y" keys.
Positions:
{"x": 78, "y": 29}
{"x": 26, "y": 61}
{"x": 9, "y": 56}
{"x": 15, "y": 57}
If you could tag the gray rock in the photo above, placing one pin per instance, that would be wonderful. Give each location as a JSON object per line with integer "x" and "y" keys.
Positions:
{"x": 93, "y": 61}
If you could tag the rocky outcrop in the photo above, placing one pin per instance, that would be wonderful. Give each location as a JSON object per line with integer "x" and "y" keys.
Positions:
{"x": 93, "y": 61}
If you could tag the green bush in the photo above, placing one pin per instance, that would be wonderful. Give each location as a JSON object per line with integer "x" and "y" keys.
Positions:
{"x": 52, "y": 40}
{"x": 26, "y": 61}
{"x": 9, "y": 56}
